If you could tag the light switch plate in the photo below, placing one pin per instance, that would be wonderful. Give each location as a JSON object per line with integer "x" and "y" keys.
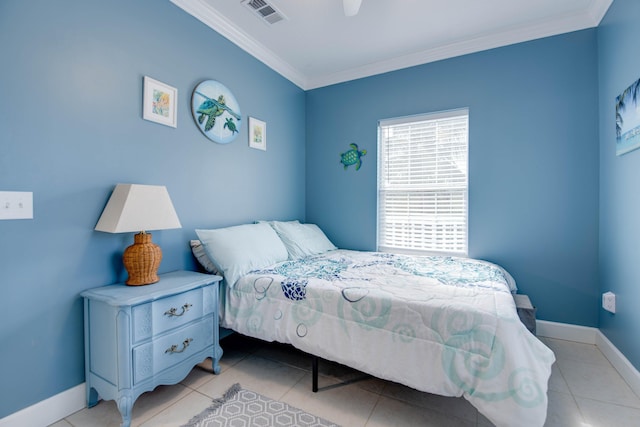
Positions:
{"x": 16, "y": 205}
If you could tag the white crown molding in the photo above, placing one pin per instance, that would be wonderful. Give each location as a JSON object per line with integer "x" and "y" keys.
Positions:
{"x": 511, "y": 36}
{"x": 203, "y": 12}
{"x": 210, "y": 17}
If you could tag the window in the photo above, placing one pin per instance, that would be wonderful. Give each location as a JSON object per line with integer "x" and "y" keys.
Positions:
{"x": 423, "y": 184}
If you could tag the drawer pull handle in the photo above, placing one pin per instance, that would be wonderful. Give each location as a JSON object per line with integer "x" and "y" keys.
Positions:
{"x": 174, "y": 311}
{"x": 174, "y": 348}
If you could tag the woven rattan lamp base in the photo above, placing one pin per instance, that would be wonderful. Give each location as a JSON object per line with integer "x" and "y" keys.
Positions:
{"x": 142, "y": 260}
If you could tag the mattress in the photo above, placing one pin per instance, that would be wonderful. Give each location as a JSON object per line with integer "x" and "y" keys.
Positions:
{"x": 442, "y": 325}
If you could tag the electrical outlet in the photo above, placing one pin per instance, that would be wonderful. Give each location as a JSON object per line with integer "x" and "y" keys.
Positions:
{"x": 16, "y": 205}
{"x": 609, "y": 301}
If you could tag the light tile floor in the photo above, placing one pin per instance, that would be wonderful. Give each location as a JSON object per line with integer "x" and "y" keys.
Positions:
{"x": 584, "y": 391}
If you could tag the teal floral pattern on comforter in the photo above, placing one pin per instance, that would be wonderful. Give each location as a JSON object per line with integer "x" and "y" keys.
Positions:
{"x": 453, "y": 271}
{"x": 442, "y": 325}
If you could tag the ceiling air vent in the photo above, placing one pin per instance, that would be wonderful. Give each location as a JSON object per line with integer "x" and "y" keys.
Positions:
{"x": 265, "y": 11}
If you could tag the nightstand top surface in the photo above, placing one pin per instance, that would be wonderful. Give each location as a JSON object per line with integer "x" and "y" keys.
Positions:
{"x": 170, "y": 283}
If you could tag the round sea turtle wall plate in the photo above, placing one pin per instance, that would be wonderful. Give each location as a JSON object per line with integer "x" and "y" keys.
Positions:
{"x": 216, "y": 111}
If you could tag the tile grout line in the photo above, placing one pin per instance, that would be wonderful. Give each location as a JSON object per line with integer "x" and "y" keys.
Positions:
{"x": 373, "y": 409}
{"x": 573, "y": 396}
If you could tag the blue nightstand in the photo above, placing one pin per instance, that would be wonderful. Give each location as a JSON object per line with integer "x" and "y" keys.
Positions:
{"x": 139, "y": 337}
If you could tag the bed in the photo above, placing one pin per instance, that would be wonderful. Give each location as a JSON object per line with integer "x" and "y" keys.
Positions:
{"x": 443, "y": 325}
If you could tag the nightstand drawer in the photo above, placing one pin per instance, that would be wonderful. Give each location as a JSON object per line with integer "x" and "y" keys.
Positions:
{"x": 162, "y": 315}
{"x": 164, "y": 352}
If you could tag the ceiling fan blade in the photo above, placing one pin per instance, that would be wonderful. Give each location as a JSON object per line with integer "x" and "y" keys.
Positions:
{"x": 351, "y": 7}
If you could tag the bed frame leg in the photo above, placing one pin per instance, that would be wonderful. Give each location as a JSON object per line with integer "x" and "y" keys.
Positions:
{"x": 314, "y": 369}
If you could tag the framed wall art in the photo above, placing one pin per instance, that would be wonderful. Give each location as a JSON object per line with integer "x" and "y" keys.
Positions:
{"x": 160, "y": 102}
{"x": 216, "y": 111}
{"x": 257, "y": 134}
{"x": 628, "y": 119}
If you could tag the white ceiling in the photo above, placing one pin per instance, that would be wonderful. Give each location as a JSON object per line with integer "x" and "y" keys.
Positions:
{"x": 317, "y": 45}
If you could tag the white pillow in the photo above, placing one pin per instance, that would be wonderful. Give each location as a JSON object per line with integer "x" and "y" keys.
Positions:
{"x": 302, "y": 239}
{"x": 201, "y": 255}
{"x": 271, "y": 223}
{"x": 238, "y": 250}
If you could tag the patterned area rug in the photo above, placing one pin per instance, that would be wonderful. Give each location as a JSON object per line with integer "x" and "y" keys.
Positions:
{"x": 239, "y": 407}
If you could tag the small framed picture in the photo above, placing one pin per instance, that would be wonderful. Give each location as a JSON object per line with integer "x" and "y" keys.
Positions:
{"x": 257, "y": 134}
{"x": 159, "y": 102}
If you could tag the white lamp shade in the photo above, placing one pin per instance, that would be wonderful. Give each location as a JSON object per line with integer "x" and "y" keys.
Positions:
{"x": 136, "y": 207}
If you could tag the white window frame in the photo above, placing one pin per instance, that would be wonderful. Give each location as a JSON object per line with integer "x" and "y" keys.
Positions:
{"x": 400, "y": 227}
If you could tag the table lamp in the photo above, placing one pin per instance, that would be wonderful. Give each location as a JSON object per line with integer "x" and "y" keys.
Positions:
{"x": 138, "y": 208}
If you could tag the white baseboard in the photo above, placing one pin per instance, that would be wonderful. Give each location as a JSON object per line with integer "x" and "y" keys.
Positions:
{"x": 48, "y": 411}
{"x": 565, "y": 331}
{"x": 627, "y": 371}
{"x": 587, "y": 335}
{"x": 66, "y": 403}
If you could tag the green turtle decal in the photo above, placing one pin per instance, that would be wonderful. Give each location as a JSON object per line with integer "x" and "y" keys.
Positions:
{"x": 352, "y": 157}
{"x": 231, "y": 125}
{"x": 212, "y": 109}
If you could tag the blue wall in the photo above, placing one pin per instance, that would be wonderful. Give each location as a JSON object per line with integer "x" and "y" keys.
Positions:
{"x": 541, "y": 117}
{"x": 619, "y": 62}
{"x": 533, "y": 161}
{"x": 71, "y": 127}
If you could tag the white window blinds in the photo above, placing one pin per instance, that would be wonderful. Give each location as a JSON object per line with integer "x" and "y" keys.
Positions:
{"x": 423, "y": 184}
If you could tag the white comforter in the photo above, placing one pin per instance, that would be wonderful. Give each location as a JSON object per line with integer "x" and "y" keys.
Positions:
{"x": 438, "y": 324}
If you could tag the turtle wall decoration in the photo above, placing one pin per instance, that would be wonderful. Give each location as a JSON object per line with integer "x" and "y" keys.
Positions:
{"x": 352, "y": 157}
{"x": 216, "y": 111}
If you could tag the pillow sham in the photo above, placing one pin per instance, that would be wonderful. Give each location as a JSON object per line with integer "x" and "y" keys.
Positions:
{"x": 302, "y": 239}
{"x": 239, "y": 249}
{"x": 197, "y": 248}
{"x": 272, "y": 223}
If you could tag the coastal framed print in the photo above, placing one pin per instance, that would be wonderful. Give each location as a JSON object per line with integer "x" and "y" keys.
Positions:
{"x": 257, "y": 134}
{"x": 628, "y": 119}
{"x": 216, "y": 111}
{"x": 160, "y": 102}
